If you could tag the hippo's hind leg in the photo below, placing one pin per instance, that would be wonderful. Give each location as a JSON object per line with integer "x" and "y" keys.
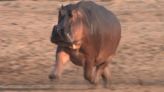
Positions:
{"x": 103, "y": 71}
{"x": 107, "y": 77}
{"x": 61, "y": 59}
{"x": 99, "y": 72}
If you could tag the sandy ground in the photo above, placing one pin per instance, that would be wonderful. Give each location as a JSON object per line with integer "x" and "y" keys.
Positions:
{"x": 26, "y": 54}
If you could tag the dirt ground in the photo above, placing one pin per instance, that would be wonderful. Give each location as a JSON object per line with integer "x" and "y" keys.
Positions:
{"x": 27, "y": 56}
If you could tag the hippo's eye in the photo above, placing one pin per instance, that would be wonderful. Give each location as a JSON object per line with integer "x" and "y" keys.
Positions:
{"x": 69, "y": 14}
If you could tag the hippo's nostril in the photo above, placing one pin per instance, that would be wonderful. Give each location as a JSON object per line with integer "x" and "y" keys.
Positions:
{"x": 57, "y": 29}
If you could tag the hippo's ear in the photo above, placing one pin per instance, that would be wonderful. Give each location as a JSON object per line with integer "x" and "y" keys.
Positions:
{"x": 60, "y": 7}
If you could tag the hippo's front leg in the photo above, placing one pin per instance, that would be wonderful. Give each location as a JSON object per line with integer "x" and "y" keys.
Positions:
{"x": 61, "y": 59}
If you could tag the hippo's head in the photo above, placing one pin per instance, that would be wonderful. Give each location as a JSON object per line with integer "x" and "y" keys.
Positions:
{"x": 69, "y": 30}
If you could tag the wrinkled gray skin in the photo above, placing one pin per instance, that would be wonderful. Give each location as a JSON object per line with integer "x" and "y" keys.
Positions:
{"x": 100, "y": 38}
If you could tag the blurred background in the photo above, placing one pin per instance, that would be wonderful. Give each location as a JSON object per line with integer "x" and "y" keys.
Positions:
{"x": 27, "y": 55}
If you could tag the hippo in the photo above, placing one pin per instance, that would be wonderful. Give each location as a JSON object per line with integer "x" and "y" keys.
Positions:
{"x": 87, "y": 34}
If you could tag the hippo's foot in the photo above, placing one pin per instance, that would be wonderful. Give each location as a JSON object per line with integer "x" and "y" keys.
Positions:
{"x": 109, "y": 86}
{"x": 53, "y": 77}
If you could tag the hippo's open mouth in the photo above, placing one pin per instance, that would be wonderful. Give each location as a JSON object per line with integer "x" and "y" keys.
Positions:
{"x": 68, "y": 45}
{"x": 64, "y": 44}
